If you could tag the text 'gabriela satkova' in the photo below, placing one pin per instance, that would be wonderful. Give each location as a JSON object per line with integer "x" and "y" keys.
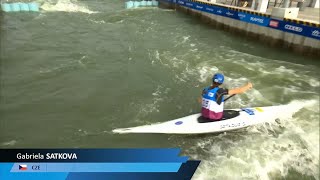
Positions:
{"x": 34, "y": 156}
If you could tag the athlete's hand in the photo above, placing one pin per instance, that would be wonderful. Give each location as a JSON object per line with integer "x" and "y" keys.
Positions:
{"x": 200, "y": 100}
{"x": 249, "y": 85}
{"x": 240, "y": 89}
{"x": 246, "y": 87}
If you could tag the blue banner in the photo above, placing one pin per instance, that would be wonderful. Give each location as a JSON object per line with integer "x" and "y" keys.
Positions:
{"x": 294, "y": 28}
{"x": 92, "y": 155}
{"x": 285, "y": 26}
{"x": 225, "y": 12}
{"x": 254, "y": 19}
{"x": 112, "y": 164}
{"x": 95, "y": 167}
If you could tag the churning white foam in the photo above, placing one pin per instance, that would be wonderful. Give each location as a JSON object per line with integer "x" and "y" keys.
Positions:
{"x": 66, "y": 6}
{"x": 266, "y": 151}
{"x": 9, "y": 143}
{"x": 65, "y": 66}
{"x": 152, "y": 105}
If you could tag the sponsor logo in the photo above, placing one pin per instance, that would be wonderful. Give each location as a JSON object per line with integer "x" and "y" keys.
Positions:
{"x": 274, "y": 23}
{"x": 209, "y": 9}
{"x": 254, "y": 19}
{"x": 199, "y": 7}
{"x": 210, "y": 94}
{"x": 23, "y": 167}
{"x": 315, "y": 33}
{"x": 180, "y": 2}
{"x": 232, "y": 125}
{"x": 205, "y": 103}
{"x": 293, "y": 28}
{"x": 178, "y": 123}
{"x": 189, "y": 4}
{"x": 229, "y": 14}
{"x": 241, "y": 15}
{"x": 219, "y": 11}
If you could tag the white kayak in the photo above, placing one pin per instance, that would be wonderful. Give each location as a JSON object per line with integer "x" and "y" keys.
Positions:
{"x": 234, "y": 119}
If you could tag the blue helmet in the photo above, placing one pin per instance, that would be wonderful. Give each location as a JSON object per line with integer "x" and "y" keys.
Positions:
{"x": 218, "y": 78}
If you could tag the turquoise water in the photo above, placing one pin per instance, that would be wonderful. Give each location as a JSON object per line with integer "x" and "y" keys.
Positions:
{"x": 78, "y": 69}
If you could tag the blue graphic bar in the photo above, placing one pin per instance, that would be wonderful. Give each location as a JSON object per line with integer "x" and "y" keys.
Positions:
{"x": 94, "y": 167}
{"x": 186, "y": 171}
{"x": 92, "y": 155}
{"x": 83, "y": 164}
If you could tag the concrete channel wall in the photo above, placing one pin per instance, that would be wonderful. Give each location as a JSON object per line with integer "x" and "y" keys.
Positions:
{"x": 274, "y": 37}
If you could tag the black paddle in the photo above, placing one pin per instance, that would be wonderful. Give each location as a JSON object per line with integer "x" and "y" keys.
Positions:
{"x": 229, "y": 97}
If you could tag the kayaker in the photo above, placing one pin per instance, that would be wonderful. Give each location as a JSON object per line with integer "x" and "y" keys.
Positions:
{"x": 212, "y": 97}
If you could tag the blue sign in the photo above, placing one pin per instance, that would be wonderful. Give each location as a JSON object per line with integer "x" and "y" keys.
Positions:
{"x": 299, "y": 29}
{"x": 254, "y": 19}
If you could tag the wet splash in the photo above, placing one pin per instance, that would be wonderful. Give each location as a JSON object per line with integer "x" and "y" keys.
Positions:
{"x": 66, "y": 6}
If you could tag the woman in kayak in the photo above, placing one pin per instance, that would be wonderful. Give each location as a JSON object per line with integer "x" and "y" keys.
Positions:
{"x": 212, "y": 97}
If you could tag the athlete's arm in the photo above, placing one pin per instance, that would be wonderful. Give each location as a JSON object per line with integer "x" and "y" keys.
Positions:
{"x": 220, "y": 93}
{"x": 200, "y": 98}
{"x": 240, "y": 89}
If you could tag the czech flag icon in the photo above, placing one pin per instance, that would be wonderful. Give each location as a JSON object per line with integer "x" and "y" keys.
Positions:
{"x": 22, "y": 167}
